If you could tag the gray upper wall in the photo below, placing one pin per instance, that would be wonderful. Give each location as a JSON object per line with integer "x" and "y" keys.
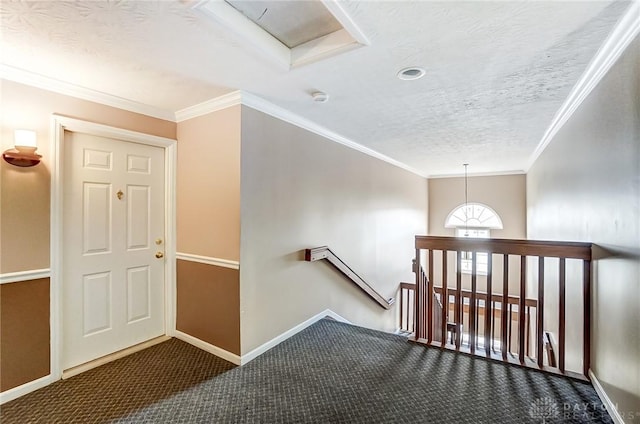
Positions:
{"x": 300, "y": 190}
{"x": 586, "y": 187}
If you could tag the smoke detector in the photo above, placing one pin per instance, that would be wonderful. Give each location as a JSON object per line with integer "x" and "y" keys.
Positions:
{"x": 320, "y": 97}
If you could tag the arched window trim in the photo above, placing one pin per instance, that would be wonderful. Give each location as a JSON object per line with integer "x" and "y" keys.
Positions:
{"x": 477, "y": 228}
{"x": 459, "y": 211}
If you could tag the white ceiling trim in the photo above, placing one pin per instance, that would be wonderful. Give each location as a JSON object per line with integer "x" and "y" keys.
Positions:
{"x": 624, "y": 32}
{"x": 350, "y": 37}
{"x": 218, "y": 103}
{"x": 223, "y": 13}
{"x": 285, "y": 115}
{"x": 346, "y": 21}
{"x": 50, "y": 84}
{"x": 215, "y": 104}
{"x": 326, "y": 46}
{"x": 264, "y": 106}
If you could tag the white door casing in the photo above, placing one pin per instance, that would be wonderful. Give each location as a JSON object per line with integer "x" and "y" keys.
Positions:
{"x": 113, "y": 231}
{"x": 146, "y": 308}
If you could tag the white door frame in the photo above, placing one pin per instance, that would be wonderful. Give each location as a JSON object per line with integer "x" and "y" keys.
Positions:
{"x": 59, "y": 124}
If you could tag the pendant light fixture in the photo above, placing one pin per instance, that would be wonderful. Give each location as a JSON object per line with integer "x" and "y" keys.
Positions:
{"x": 466, "y": 201}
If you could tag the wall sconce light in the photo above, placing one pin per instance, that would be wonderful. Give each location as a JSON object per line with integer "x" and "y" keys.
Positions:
{"x": 24, "y": 153}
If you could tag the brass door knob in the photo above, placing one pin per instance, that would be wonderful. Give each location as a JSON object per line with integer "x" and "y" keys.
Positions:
{"x": 159, "y": 255}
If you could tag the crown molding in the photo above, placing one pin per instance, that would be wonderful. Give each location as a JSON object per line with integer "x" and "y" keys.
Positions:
{"x": 618, "y": 40}
{"x": 218, "y": 103}
{"x": 285, "y": 115}
{"x": 51, "y": 84}
{"x": 264, "y": 106}
{"x": 222, "y": 102}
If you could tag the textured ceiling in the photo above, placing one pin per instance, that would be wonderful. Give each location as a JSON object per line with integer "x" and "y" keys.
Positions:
{"x": 496, "y": 72}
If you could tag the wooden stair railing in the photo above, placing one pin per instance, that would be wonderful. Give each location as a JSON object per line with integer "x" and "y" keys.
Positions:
{"x": 407, "y": 291}
{"x": 439, "y": 315}
{"x": 453, "y": 329}
{"x": 471, "y": 302}
{"x": 323, "y": 252}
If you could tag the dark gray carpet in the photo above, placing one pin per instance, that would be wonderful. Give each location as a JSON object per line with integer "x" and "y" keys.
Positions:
{"x": 336, "y": 373}
{"x": 118, "y": 388}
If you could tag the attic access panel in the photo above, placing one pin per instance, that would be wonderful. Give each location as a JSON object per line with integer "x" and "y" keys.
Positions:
{"x": 290, "y": 32}
{"x": 291, "y": 23}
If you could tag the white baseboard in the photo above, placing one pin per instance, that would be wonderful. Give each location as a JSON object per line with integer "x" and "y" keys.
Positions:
{"x": 208, "y": 347}
{"x": 29, "y": 387}
{"x": 244, "y": 359}
{"x": 23, "y": 389}
{"x": 611, "y": 407}
{"x": 284, "y": 336}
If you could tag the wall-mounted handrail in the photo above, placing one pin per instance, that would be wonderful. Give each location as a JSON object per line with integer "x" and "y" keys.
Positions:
{"x": 323, "y": 252}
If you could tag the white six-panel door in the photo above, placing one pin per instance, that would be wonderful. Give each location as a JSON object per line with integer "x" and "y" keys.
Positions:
{"x": 113, "y": 238}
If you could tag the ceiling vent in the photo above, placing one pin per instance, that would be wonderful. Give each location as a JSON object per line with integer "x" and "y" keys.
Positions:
{"x": 292, "y": 33}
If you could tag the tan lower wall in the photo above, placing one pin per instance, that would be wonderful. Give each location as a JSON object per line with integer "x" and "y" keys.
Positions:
{"x": 24, "y": 332}
{"x": 208, "y": 304}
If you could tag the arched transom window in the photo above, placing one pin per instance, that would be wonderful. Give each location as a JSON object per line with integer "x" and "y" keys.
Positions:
{"x": 473, "y": 215}
{"x": 474, "y": 220}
